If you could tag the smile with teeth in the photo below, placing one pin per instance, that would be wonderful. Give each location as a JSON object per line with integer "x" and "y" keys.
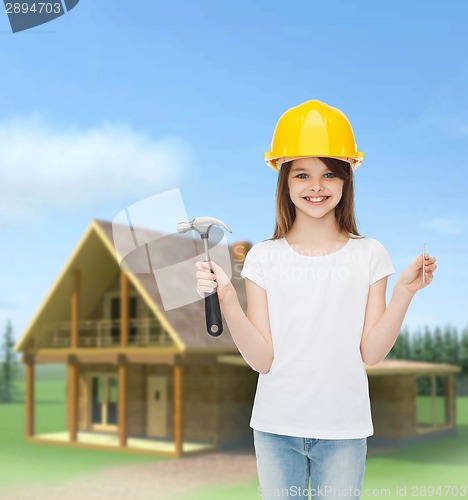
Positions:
{"x": 316, "y": 200}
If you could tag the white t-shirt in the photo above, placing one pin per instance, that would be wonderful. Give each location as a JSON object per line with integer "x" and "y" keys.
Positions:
{"x": 317, "y": 386}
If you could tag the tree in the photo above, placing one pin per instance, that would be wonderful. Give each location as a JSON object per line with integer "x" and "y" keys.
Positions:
{"x": 428, "y": 345}
{"x": 451, "y": 345}
{"x": 401, "y": 348}
{"x": 463, "y": 350}
{"x": 438, "y": 346}
{"x": 418, "y": 346}
{"x": 8, "y": 366}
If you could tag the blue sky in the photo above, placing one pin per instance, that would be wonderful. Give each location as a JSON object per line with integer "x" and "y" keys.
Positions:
{"x": 117, "y": 101}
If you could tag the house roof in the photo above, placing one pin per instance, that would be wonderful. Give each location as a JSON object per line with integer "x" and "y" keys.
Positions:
{"x": 403, "y": 366}
{"x": 385, "y": 367}
{"x": 185, "y": 324}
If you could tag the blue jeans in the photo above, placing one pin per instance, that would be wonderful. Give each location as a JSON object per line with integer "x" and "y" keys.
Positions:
{"x": 285, "y": 463}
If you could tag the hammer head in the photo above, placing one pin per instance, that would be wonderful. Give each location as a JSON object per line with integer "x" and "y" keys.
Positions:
{"x": 200, "y": 224}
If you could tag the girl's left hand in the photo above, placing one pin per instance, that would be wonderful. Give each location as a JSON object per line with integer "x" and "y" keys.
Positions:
{"x": 411, "y": 277}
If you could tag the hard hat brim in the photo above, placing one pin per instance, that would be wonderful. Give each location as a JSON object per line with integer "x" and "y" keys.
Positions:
{"x": 276, "y": 163}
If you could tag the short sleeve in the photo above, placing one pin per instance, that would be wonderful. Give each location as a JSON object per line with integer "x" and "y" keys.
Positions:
{"x": 380, "y": 263}
{"x": 252, "y": 268}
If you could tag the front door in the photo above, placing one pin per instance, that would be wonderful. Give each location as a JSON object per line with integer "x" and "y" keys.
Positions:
{"x": 157, "y": 408}
{"x": 104, "y": 394}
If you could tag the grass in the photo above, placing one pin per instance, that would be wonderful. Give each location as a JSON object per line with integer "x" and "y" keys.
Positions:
{"x": 22, "y": 462}
{"x": 442, "y": 463}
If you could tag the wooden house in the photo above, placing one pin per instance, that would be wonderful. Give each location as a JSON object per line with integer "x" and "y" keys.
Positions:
{"x": 146, "y": 380}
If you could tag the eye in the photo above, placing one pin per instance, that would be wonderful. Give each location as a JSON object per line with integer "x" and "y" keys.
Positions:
{"x": 328, "y": 173}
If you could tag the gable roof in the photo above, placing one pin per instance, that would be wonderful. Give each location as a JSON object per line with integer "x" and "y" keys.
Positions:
{"x": 186, "y": 324}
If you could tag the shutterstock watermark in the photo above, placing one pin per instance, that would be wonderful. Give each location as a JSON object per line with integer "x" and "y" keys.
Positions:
{"x": 416, "y": 490}
{"x": 30, "y": 13}
{"x": 146, "y": 241}
{"x": 320, "y": 491}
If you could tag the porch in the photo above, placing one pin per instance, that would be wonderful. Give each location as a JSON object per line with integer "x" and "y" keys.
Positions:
{"x": 110, "y": 441}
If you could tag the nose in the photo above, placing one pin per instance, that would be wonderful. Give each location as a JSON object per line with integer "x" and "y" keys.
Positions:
{"x": 315, "y": 186}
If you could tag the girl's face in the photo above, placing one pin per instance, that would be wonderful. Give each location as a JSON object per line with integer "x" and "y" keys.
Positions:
{"x": 311, "y": 178}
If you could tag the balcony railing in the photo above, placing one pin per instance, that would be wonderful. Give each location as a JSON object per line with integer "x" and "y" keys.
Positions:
{"x": 143, "y": 332}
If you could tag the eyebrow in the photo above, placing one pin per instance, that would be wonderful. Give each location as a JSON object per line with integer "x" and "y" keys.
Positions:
{"x": 302, "y": 169}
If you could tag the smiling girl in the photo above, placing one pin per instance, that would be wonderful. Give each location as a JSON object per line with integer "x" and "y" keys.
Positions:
{"x": 316, "y": 312}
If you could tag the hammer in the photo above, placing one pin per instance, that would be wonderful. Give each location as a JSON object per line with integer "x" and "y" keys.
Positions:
{"x": 214, "y": 323}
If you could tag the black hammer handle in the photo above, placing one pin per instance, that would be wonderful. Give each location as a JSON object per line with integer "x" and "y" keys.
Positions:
{"x": 214, "y": 322}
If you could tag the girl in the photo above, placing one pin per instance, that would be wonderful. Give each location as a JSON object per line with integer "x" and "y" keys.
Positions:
{"x": 316, "y": 312}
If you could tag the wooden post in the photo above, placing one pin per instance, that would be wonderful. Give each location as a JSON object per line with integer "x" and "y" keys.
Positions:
{"x": 29, "y": 365}
{"x": 122, "y": 400}
{"x": 450, "y": 399}
{"x": 434, "y": 400}
{"x": 178, "y": 408}
{"x": 72, "y": 393}
{"x": 123, "y": 309}
{"x": 75, "y": 307}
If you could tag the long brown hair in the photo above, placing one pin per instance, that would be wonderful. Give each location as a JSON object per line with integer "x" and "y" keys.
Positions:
{"x": 344, "y": 211}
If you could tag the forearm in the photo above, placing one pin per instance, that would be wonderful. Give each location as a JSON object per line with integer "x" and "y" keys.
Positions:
{"x": 251, "y": 343}
{"x": 384, "y": 333}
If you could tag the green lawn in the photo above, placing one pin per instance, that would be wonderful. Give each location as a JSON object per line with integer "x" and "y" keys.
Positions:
{"x": 22, "y": 462}
{"x": 438, "y": 464}
{"x": 424, "y": 410}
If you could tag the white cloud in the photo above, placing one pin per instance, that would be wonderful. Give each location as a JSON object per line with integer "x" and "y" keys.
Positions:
{"x": 45, "y": 167}
{"x": 445, "y": 225}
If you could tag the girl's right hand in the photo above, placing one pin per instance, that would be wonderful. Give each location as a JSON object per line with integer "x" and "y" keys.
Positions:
{"x": 207, "y": 281}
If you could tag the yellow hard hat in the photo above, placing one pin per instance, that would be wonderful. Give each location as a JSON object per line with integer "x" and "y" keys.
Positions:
{"x": 313, "y": 128}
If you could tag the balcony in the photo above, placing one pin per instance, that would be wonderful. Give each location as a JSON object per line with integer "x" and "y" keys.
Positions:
{"x": 144, "y": 332}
